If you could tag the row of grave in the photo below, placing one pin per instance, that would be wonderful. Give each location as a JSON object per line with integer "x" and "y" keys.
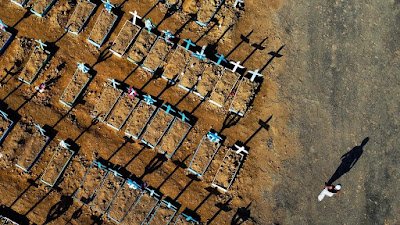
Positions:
{"x": 205, "y": 14}
{"x": 204, "y": 154}
{"x": 203, "y": 157}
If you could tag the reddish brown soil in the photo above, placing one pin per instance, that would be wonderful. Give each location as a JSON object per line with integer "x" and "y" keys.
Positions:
{"x": 157, "y": 54}
{"x": 244, "y": 95}
{"x": 126, "y": 198}
{"x": 192, "y": 73}
{"x": 142, "y": 46}
{"x": 31, "y": 149}
{"x": 35, "y": 63}
{"x": 224, "y": 87}
{"x": 157, "y": 127}
{"x": 228, "y": 169}
{"x": 39, "y": 5}
{"x": 177, "y": 63}
{"x": 175, "y": 135}
{"x": 125, "y": 37}
{"x": 56, "y": 165}
{"x": 209, "y": 78}
{"x": 103, "y": 26}
{"x": 139, "y": 117}
{"x": 141, "y": 210}
{"x": 80, "y": 15}
{"x": 107, "y": 192}
{"x": 107, "y": 100}
{"x": 122, "y": 110}
{"x": 74, "y": 88}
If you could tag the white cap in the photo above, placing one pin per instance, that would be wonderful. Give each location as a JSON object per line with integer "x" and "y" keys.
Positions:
{"x": 338, "y": 186}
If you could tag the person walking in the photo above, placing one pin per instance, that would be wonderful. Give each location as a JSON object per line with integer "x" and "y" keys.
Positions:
{"x": 329, "y": 190}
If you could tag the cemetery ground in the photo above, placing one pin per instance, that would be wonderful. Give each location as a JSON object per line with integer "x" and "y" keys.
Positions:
{"x": 336, "y": 84}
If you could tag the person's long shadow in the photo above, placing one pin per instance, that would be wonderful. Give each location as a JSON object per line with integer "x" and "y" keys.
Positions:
{"x": 348, "y": 161}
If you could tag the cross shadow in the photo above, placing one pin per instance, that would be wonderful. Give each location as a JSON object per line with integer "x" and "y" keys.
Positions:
{"x": 207, "y": 31}
{"x": 256, "y": 47}
{"x": 192, "y": 179}
{"x": 273, "y": 56}
{"x": 242, "y": 215}
{"x": 231, "y": 119}
{"x": 13, "y": 215}
{"x": 126, "y": 141}
{"x": 26, "y": 15}
{"x": 75, "y": 215}
{"x": 183, "y": 97}
{"x": 167, "y": 86}
{"x": 93, "y": 122}
{"x": 211, "y": 191}
{"x": 135, "y": 156}
{"x": 155, "y": 163}
{"x": 169, "y": 13}
{"x": 15, "y": 89}
{"x": 96, "y": 220}
{"x": 214, "y": 45}
{"x": 59, "y": 208}
{"x": 244, "y": 39}
{"x": 104, "y": 55}
{"x": 40, "y": 200}
{"x": 27, "y": 100}
{"x": 177, "y": 32}
{"x": 179, "y": 164}
{"x": 348, "y": 161}
{"x": 32, "y": 183}
{"x": 9, "y": 72}
{"x": 63, "y": 116}
{"x": 263, "y": 125}
{"x": 222, "y": 207}
{"x": 132, "y": 72}
{"x": 201, "y": 102}
{"x": 59, "y": 38}
{"x": 151, "y": 9}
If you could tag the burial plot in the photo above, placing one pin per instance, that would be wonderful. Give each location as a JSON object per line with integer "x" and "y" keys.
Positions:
{"x": 126, "y": 198}
{"x": 108, "y": 190}
{"x": 143, "y": 208}
{"x": 208, "y": 80}
{"x": 80, "y": 17}
{"x": 245, "y": 95}
{"x": 228, "y": 169}
{"x": 59, "y": 161}
{"x": 91, "y": 182}
{"x": 41, "y": 7}
{"x": 6, "y": 125}
{"x": 20, "y": 3}
{"x": 175, "y": 135}
{"x": 121, "y": 111}
{"x": 32, "y": 149}
{"x": 35, "y": 64}
{"x": 224, "y": 87}
{"x": 158, "y": 126}
{"x": 102, "y": 27}
{"x": 7, "y": 221}
{"x": 157, "y": 54}
{"x": 75, "y": 87}
{"x": 177, "y": 63}
{"x": 141, "y": 46}
{"x": 107, "y": 100}
{"x": 5, "y": 37}
{"x": 192, "y": 73}
{"x": 163, "y": 214}
{"x": 125, "y": 38}
{"x": 184, "y": 219}
{"x": 204, "y": 154}
{"x": 139, "y": 118}
{"x": 207, "y": 10}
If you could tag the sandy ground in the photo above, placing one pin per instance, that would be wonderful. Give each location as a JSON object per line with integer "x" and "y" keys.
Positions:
{"x": 336, "y": 84}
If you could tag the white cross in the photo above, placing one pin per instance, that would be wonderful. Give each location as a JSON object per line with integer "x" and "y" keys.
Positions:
{"x": 238, "y": 1}
{"x": 114, "y": 83}
{"x": 65, "y": 145}
{"x": 167, "y": 34}
{"x": 135, "y": 16}
{"x": 254, "y": 74}
{"x": 83, "y": 68}
{"x": 237, "y": 65}
{"x": 241, "y": 149}
{"x": 42, "y": 45}
{"x": 41, "y": 130}
{"x": 148, "y": 25}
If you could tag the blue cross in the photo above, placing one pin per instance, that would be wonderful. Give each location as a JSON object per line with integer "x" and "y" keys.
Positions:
{"x": 167, "y": 34}
{"x": 3, "y": 26}
{"x": 220, "y": 59}
{"x": 201, "y": 54}
{"x": 169, "y": 108}
{"x": 149, "y": 100}
{"x": 188, "y": 43}
{"x": 83, "y": 68}
{"x": 184, "y": 117}
{"x": 42, "y": 45}
{"x": 100, "y": 165}
{"x": 116, "y": 173}
{"x": 213, "y": 137}
{"x": 41, "y": 130}
{"x": 4, "y": 114}
{"x": 108, "y": 5}
{"x": 152, "y": 192}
